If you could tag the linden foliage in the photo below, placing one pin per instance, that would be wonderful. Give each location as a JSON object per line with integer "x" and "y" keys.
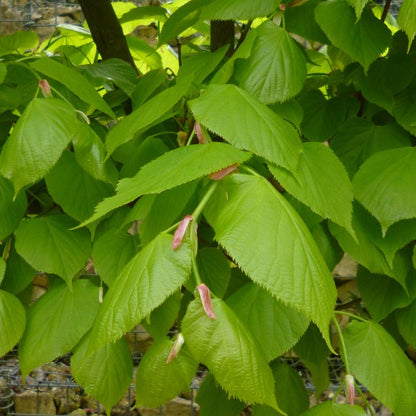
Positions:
{"x": 313, "y": 114}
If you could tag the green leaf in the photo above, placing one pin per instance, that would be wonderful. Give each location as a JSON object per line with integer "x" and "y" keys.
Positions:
{"x": 364, "y": 40}
{"x": 18, "y": 273}
{"x": 364, "y": 249}
{"x": 47, "y": 244}
{"x": 299, "y": 20}
{"x": 289, "y": 110}
{"x": 406, "y": 322}
{"x": 334, "y": 409}
{"x": 40, "y": 136}
{"x": 143, "y": 117}
{"x": 69, "y": 314}
{"x": 385, "y": 183}
{"x": 74, "y": 189}
{"x": 314, "y": 353}
{"x": 2, "y": 269}
{"x": 275, "y": 327}
{"x": 146, "y": 86}
{"x": 106, "y": 374}
{"x": 276, "y": 69}
{"x": 213, "y": 400}
{"x": 74, "y": 81}
{"x": 18, "y": 42}
{"x": 321, "y": 117}
{"x": 404, "y": 109}
{"x": 11, "y": 210}
{"x": 407, "y": 19}
{"x": 158, "y": 382}
{"x": 145, "y": 282}
{"x": 224, "y": 344}
{"x": 260, "y": 130}
{"x": 90, "y": 154}
{"x": 246, "y": 213}
{"x": 172, "y": 169}
{"x": 244, "y": 9}
{"x": 382, "y": 294}
{"x": 369, "y": 347}
{"x": 112, "y": 250}
{"x": 144, "y": 55}
{"x": 358, "y": 6}
{"x": 12, "y": 321}
{"x": 290, "y": 392}
{"x": 321, "y": 183}
{"x": 359, "y": 138}
{"x": 163, "y": 318}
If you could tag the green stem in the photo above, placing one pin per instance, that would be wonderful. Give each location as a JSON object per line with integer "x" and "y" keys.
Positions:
{"x": 364, "y": 398}
{"x": 196, "y": 271}
{"x": 204, "y": 201}
{"x": 342, "y": 346}
{"x": 336, "y": 394}
{"x": 190, "y": 137}
{"x": 34, "y": 196}
{"x": 350, "y": 315}
{"x": 250, "y": 170}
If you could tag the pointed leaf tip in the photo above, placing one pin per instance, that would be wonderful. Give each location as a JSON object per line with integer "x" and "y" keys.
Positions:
{"x": 205, "y": 295}
{"x": 180, "y": 232}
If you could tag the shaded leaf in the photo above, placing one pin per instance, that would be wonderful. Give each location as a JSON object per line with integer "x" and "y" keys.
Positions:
{"x": 275, "y": 327}
{"x": 225, "y": 339}
{"x": 174, "y": 168}
{"x": 74, "y": 81}
{"x": 40, "y": 136}
{"x": 249, "y": 216}
{"x": 260, "y": 131}
{"x": 12, "y": 321}
{"x": 358, "y": 6}
{"x": 244, "y": 9}
{"x": 364, "y": 40}
{"x": 369, "y": 347}
{"x": 2, "y": 269}
{"x": 334, "y": 409}
{"x": 106, "y": 374}
{"x": 18, "y": 42}
{"x": 57, "y": 322}
{"x": 48, "y": 245}
{"x": 276, "y": 68}
{"x": 384, "y": 185}
{"x": 158, "y": 382}
{"x": 321, "y": 183}
{"x": 150, "y": 277}
{"x": 407, "y": 19}
{"x": 406, "y": 322}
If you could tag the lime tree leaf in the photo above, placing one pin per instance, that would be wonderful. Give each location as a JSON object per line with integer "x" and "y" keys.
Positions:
{"x": 143, "y": 117}
{"x": 158, "y": 382}
{"x": 406, "y": 322}
{"x": 213, "y": 400}
{"x": 12, "y": 321}
{"x": 18, "y": 42}
{"x": 12, "y": 211}
{"x": 321, "y": 183}
{"x": 18, "y": 273}
{"x": 224, "y": 344}
{"x": 321, "y": 117}
{"x": 364, "y": 40}
{"x": 404, "y": 109}
{"x": 290, "y": 392}
{"x": 359, "y": 138}
{"x": 74, "y": 189}
{"x": 299, "y": 20}
{"x": 369, "y": 346}
{"x": 162, "y": 319}
{"x": 40, "y": 136}
{"x": 248, "y": 213}
{"x": 48, "y": 245}
{"x": 260, "y": 131}
{"x": 289, "y": 110}
{"x": 407, "y": 19}
{"x": 358, "y": 6}
{"x": 90, "y": 154}
{"x": 69, "y": 315}
{"x": 172, "y": 169}
{"x": 334, "y": 409}
{"x": 146, "y": 86}
{"x": 382, "y": 294}
{"x": 314, "y": 353}
{"x": 144, "y": 55}
{"x": 150, "y": 277}
{"x": 276, "y": 68}
{"x": 106, "y": 374}
{"x": 275, "y": 327}
{"x": 74, "y": 81}
{"x": 385, "y": 185}
{"x": 364, "y": 249}
{"x": 2, "y": 269}
{"x": 244, "y": 9}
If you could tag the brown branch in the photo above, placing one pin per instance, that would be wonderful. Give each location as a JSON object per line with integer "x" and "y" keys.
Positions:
{"x": 222, "y": 33}
{"x": 385, "y": 10}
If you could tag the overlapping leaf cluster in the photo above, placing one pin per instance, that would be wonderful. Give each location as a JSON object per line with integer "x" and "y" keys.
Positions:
{"x": 314, "y": 116}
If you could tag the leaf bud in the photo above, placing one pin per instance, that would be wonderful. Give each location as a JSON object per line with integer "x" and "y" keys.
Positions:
{"x": 222, "y": 173}
{"x": 205, "y": 296}
{"x": 177, "y": 345}
{"x": 45, "y": 87}
{"x": 350, "y": 388}
{"x": 180, "y": 232}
